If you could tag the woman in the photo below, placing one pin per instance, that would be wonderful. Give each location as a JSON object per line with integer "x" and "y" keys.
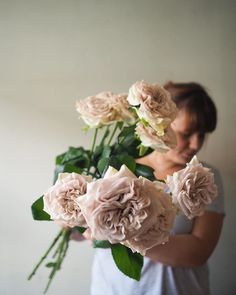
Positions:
{"x": 179, "y": 266}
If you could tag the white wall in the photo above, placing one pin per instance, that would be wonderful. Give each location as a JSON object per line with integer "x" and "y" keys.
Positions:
{"x": 53, "y": 52}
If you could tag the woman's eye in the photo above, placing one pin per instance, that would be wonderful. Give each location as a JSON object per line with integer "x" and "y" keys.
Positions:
{"x": 185, "y": 135}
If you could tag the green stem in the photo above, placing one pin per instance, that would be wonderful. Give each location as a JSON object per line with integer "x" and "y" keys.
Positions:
{"x": 60, "y": 257}
{"x": 55, "y": 254}
{"x": 45, "y": 255}
{"x": 106, "y": 133}
{"x": 92, "y": 149}
{"x": 67, "y": 239}
{"x": 113, "y": 133}
{"x": 94, "y": 140}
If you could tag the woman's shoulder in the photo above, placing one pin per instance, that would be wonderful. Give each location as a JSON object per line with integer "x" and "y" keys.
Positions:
{"x": 210, "y": 166}
{"x": 218, "y": 204}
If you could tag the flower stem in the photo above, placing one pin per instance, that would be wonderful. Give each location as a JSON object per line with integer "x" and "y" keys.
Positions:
{"x": 113, "y": 133}
{"x": 92, "y": 150}
{"x": 45, "y": 255}
{"x": 106, "y": 133}
{"x": 65, "y": 247}
{"x": 94, "y": 140}
{"x": 61, "y": 252}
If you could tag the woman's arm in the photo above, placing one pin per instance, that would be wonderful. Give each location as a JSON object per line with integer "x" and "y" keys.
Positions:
{"x": 193, "y": 249}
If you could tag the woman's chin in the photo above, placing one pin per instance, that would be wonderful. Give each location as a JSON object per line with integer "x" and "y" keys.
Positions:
{"x": 180, "y": 158}
{"x": 187, "y": 157}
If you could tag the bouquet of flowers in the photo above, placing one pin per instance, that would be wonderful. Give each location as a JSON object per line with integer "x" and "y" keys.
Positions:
{"x": 104, "y": 192}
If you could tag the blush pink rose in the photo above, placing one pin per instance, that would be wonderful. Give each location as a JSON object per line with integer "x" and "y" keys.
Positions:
{"x": 159, "y": 232}
{"x": 120, "y": 207}
{"x": 154, "y": 104}
{"x": 192, "y": 188}
{"x": 120, "y": 103}
{"x": 60, "y": 201}
{"x": 104, "y": 108}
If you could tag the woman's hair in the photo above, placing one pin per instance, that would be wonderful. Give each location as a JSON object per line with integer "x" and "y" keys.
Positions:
{"x": 194, "y": 99}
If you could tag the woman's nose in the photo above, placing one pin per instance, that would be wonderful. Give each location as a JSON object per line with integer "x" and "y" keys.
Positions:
{"x": 195, "y": 142}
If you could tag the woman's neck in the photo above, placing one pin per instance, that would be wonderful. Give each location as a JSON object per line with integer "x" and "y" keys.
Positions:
{"x": 162, "y": 164}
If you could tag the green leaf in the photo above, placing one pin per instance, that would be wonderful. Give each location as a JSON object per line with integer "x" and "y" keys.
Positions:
{"x": 59, "y": 159}
{"x": 37, "y": 210}
{"x": 72, "y": 154}
{"x": 97, "y": 152}
{"x": 101, "y": 244}
{"x": 127, "y": 130}
{"x": 80, "y": 229}
{"x": 74, "y": 160}
{"x": 71, "y": 168}
{"x": 104, "y": 163}
{"x": 106, "y": 151}
{"x": 128, "y": 262}
{"x": 145, "y": 171}
{"x": 128, "y": 161}
{"x": 127, "y": 141}
{"x": 77, "y": 156}
{"x": 127, "y": 136}
{"x": 116, "y": 162}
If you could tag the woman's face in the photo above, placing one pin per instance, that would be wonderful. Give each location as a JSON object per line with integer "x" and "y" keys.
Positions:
{"x": 189, "y": 140}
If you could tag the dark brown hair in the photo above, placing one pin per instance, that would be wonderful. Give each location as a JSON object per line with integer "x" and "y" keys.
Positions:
{"x": 193, "y": 98}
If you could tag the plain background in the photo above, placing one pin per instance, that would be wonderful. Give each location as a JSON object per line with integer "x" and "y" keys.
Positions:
{"x": 54, "y": 52}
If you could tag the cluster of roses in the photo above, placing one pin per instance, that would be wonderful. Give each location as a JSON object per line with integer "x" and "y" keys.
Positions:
{"x": 156, "y": 110}
{"x": 115, "y": 205}
{"x": 120, "y": 207}
{"x": 153, "y": 112}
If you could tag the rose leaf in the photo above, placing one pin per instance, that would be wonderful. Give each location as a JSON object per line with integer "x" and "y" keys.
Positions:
{"x": 101, "y": 244}
{"x": 104, "y": 163}
{"x": 145, "y": 171}
{"x": 128, "y": 262}
{"x": 128, "y": 161}
{"x": 37, "y": 210}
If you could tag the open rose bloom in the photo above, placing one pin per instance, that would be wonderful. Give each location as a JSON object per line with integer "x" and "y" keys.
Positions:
{"x": 60, "y": 201}
{"x": 122, "y": 208}
{"x": 104, "y": 108}
{"x": 155, "y": 107}
{"x": 192, "y": 188}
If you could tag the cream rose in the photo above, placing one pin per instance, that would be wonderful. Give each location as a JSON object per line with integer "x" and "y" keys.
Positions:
{"x": 150, "y": 138}
{"x": 192, "y": 188}
{"x": 154, "y": 104}
{"x": 103, "y": 109}
{"x": 60, "y": 201}
{"x": 120, "y": 207}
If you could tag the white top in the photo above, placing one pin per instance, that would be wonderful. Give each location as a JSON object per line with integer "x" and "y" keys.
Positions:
{"x": 156, "y": 278}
